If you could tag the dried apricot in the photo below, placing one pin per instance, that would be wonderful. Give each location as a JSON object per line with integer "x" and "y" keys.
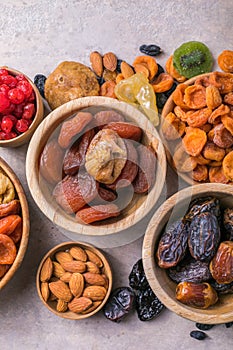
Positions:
{"x": 203, "y": 81}
{"x": 194, "y": 141}
{"x": 107, "y": 89}
{"x": 200, "y": 173}
{"x": 213, "y": 152}
{"x": 225, "y": 61}
{"x": 172, "y": 70}
{"x": 182, "y": 161}
{"x": 222, "y": 137}
{"x": 228, "y": 98}
{"x": 216, "y": 174}
{"x": 210, "y": 135}
{"x": 119, "y": 77}
{"x": 201, "y": 160}
{"x": 17, "y": 233}
{"x": 228, "y": 123}
{"x": 206, "y": 127}
{"x": 7, "y": 250}
{"x": 163, "y": 82}
{"x": 172, "y": 127}
{"x": 195, "y": 96}
{"x": 9, "y": 223}
{"x": 213, "y": 97}
{"x": 97, "y": 213}
{"x": 180, "y": 113}
{"x": 126, "y": 130}
{"x": 12, "y": 207}
{"x": 3, "y": 269}
{"x": 215, "y": 116}
{"x": 227, "y": 166}
{"x": 223, "y": 81}
{"x": 142, "y": 68}
{"x": 198, "y": 118}
{"x": 149, "y": 62}
{"x": 178, "y": 96}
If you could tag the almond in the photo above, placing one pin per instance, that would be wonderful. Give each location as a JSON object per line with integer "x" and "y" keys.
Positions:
{"x": 46, "y": 270}
{"x": 96, "y": 63}
{"x": 58, "y": 270}
{"x": 74, "y": 266}
{"x": 92, "y": 267}
{"x": 94, "y": 258}
{"x": 76, "y": 284}
{"x": 44, "y": 288}
{"x": 61, "y": 290}
{"x": 66, "y": 277}
{"x": 126, "y": 70}
{"x": 110, "y": 61}
{"x": 93, "y": 307}
{"x": 62, "y": 257}
{"x": 78, "y": 253}
{"x": 95, "y": 293}
{"x": 62, "y": 305}
{"x": 94, "y": 279}
{"x": 79, "y": 305}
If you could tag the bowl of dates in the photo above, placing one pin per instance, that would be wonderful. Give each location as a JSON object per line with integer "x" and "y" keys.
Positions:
{"x": 95, "y": 166}
{"x": 74, "y": 280}
{"x": 188, "y": 253}
{"x": 197, "y": 129}
{"x": 14, "y": 223}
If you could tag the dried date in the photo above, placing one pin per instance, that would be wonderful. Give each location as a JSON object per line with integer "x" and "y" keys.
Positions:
{"x": 228, "y": 223}
{"x": 206, "y": 204}
{"x": 148, "y": 306}
{"x": 221, "y": 266}
{"x": 222, "y": 288}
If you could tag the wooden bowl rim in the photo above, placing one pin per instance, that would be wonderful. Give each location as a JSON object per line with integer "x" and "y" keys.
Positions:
{"x": 23, "y": 138}
{"x": 38, "y": 140}
{"x": 61, "y": 247}
{"x": 156, "y": 224}
{"x": 26, "y": 223}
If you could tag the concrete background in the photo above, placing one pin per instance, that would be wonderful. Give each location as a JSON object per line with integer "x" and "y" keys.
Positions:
{"x": 35, "y": 36}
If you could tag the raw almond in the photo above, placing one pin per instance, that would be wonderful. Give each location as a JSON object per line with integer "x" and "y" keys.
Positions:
{"x": 74, "y": 266}
{"x": 95, "y": 293}
{"x": 78, "y": 253}
{"x": 66, "y": 277}
{"x": 61, "y": 290}
{"x": 46, "y": 270}
{"x": 96, "y": 63}
{"x": 93, "y": 307}
{"x": 62, "y": 257}
{"x": 126, "y": 70}
{"x": 79, "y": 305}
{"x": 58, "y": 270}
{"x": 76, "y": 284}
{"x": 94, "y": 258}
{"x": 94, "y": 279}
{"x": 44, "y": 288}
{"x": 92, "y": 267}
{"x": 110, "y": 61}
{"x": 62, "y": 305}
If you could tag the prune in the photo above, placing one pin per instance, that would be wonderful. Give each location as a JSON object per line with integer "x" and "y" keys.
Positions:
{"x": 151, "y": 50}
{"x": 173, "y": 244}
{"x": 190, "y": 270}
{"x": 148, "y": 305}
{"x": 228, "y": 223}
{"x": 229, "y": 324}
{"x": 206, "y": 204}
{"x": 137, "y": 277}
{"x": 120, "y": 303}
{"x": 39, "y": 81}
{"x": 199, "y": 335}
{"x": 118, "y": 67}
{"x": 204, "y": 327}
{"x": 222, "y": 288}
{"x": 204, "y": 236}
{"x": 162, "y": 97}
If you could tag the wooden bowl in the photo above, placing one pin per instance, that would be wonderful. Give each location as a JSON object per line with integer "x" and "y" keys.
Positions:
{"x": 25, "y": 137}
{"x": 139, "y": 206}
{"x": 25, "y": 220}
{"x": 52, "y": 304}
{"x": 172, "y": 209}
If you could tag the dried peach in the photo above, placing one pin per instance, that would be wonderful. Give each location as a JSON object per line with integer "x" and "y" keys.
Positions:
{"x": 199, "y": 117}
{"x": 195, "y": 96}
{"x": 215, "y": 116}
{"x": 180, "y": 113}
{"x": 163, "y": 82}
{"x": 228, "y": 123}
{"x": 213, "y": 152}
{"x": 222, "y": 137}
{"x": 200, "y": 173}
{"x": 216, "y": 174}
{"x": 7, "y": 250}
{"x": 223, "y": 81}
{"x": 194, "y": 141}
{"x": 213, "y": 97}
{"x": 149, "y": 62}
{"x": 172, "y": 127}
{"x": 225, "y": 61}
{"x": 227, "y": 166}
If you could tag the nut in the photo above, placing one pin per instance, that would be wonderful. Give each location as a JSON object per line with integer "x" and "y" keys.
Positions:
{"x": 95, "y": 293}
{"x": 61, "y": 290}
{"x": 45, "y": 290}
{"x": 62, "y": 257}
{"x": 46, "y": 270}
{"x": 74, "y": 266}
{"x": 79, "y": 305}
{"x": 96, "y": 63}
{"x": 78, "y": 253}
{"x": 62, "y": 305}
{"x": 58, "y": 270}
{"x": 126, "y": 70}
{"x": 94, "y": 258}
{"x": 110, "y": 61}
{"x": 66, "y": 277}
{"x": 94, "y": 279}
{"x": 76, "y": 284}
{"x": 92, "y": 267}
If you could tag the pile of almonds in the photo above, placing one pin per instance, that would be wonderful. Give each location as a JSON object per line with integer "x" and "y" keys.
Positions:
{"x": 75, "y": 279}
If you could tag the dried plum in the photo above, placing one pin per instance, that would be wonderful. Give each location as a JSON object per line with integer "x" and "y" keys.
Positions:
{"x": 148, "y": 305}
{"x": 222, "y": 288}
{"x": 201, "y": 205}
{"x": 190, "y": 270}
{"x": 120, "y": 303}
{"x": 204, "y": 327}
{"x": 228, "y": 324}
{"x": 199, "y": 335}
{"x": 150, "y": 50}
{"x": 204, "y": 236}
{"x": 228, "y": 223}
{"x": 173, "y": 244}
{"x": 137, "y": 277}
{"x": 39, "y": 81}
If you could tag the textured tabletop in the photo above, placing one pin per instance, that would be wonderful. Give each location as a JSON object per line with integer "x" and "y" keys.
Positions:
{"x": 35, "y": 36}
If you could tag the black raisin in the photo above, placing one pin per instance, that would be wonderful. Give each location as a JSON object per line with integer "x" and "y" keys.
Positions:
{"x": 100, "y": 80}
{"x": 118, "y": 67}
{"x": 148, "y": 305}
{"x": 161, "y": 99}
{"x": 204, "y": 327}
{"x": 150, "y": 50}
{"x": 199, "y": 335}
{"x": 160, "y": 70}
{"x": 39, "y": 81}
{"x": 137, "y": 277}
{"x": 229, "y": 324}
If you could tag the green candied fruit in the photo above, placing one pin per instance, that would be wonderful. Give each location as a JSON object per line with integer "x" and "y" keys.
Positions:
{"x": 192, "y": 58}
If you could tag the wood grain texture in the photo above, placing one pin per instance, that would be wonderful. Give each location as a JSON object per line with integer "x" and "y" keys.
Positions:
{"x": 106, "y": 269}
{"x": 25, "y": 219}
{"x": 139, "y": 206}
{"x": 162, "y": 285}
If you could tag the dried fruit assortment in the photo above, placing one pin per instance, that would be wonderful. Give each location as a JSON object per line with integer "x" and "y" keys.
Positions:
{"x": 74, "y": 280}
{"x": 10, "y": 223}
{"x": 92, "y": 157}
{"x": 197, "y": 252}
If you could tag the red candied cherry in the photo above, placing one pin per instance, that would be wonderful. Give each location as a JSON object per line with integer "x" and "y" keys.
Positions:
{"x": 4, "y": 102}
{"x": 20, "y": 77}
{"x": 16, "y": 96}
{"x": 7, "y": 136}
{"x": 22, "y": 125}
{"x": 32, "y": 97}
{"x": 2, "y": 135}
{"x": 8, "y": 80}
{"x": 26, "y": 87}
{"x": 4, "y": 88}
{"x": 18, "y": 111}
{"x": 7, "y": 124}
{"x": 4, "y": 71}
{"x": 10, "y": 109}
{"x": 28, "y": 111}
{"x": 12, "y": 117}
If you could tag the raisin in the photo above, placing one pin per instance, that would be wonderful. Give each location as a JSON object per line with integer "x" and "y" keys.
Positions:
{"x": 160, "y": 70}
{"x": 151, "y": 50}
{"x": 137, "y": 277}
{"x": 100, "y": 80}
{"x": 148, "y": 305}
{"x": 120, "y": 303}
{"x": 161, "y": 98}
{"x": 39, "y": 81}
{"x": 118, "y": 67}
{"x": 204, "y": 327}
{"x": 199, "y": 335}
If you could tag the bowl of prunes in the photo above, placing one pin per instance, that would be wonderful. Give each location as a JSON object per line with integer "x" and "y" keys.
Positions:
{"x": 188, "y": 253}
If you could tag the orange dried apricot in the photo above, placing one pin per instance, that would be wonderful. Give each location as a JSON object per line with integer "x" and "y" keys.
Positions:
{"x": 213, "y": 97}
{"x": 215, "y": 116}
{"x": 203, "y": 81}
{"x": 195, "y": 96}
{"x": 227, "y": 122}
{"x": 3, "y": 269}
{"x": 216, "y": 174}
{"x": 200, "y": 173}
{"x": 223, "y": 81}
{"x": 206, "y": 127}
{"x": 194, "y": 141}
{"x": 7, "y": 250}
{"x": 178, "y": 96}
{"x": 172, "y": 70}
{"x": 225, "y": 61}
{"x": 222, "y": 137}
{"x": 9, "y": 223}
{"x": 107, "y": 89}
{"x": 199, "y": 117}
{"x": 215, "y": 163}
{"x": 227, "y": 166}
{"x": 182, "y": 161}
{"x": 149, "y": 62}
{"x": 163, "y": 82}
{"x": 210, "y": 135}
{"x": 228, "y": 98}
{"x": 201, "y": 160}
{"x": 172, "y": 127}
{"x": 180, "y": 113}
{"x": 213, "y": 152}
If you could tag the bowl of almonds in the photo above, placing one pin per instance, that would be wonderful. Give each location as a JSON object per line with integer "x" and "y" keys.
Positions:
{"x": 74, "y": 280}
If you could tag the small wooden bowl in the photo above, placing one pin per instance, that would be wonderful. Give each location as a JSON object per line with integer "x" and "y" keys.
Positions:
{"x": 25, "y": 219}
{"x": 172, "y": 209}
{"x": 25, "y": 137}
{"x": 139, "y": 206}
{"x": 106, "y": 269}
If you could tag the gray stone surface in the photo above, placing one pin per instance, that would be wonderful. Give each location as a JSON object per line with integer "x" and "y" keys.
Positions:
{"x": 35, "y": 36}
